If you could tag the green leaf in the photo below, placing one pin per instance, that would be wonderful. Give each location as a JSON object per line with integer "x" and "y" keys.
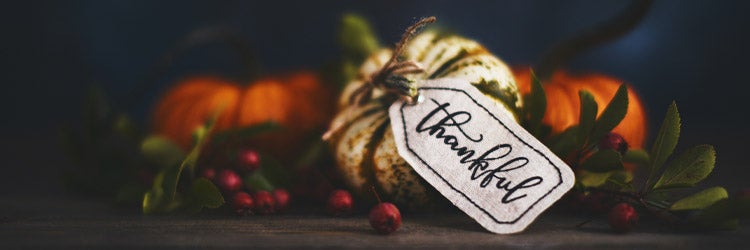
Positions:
{"x": 357, "y": 38}
{"x": 620, "y": 180}
{"x": 150, "y": 202}
{"x": 603, "y": 161}
{"x": 275, "y": 172}
{"x": 588, "y": 114}
{"x": 313, "y": 153}
{"x": 163, "y": 195}
{"x": 591, "y": 179}
{"x": 245, "y": 132}
{"x": 565, "y": 143}
{"x": 349, "y": 70}
{"x": 688, "y": 168}
{"x": 636, "y": 156}
{"x": 203, "y": 193}
{"x": 170, "y": 178}
{"x": 700, "y": 200}
{"x": 258, "y": 181}
{"x": 535, "y": 105}
{"x": 657, "y": 199}
{"x": 161, "y": 151}
{"x": 154, "y": 200}
{"x": 612, "y": 114}
{"x": 666, "y": 140}
{"x": 201, "y": 135}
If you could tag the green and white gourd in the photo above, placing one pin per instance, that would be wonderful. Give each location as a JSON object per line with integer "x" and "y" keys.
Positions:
{"x": 365, "y": 151}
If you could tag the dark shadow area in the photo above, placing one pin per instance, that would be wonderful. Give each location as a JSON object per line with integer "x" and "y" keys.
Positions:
{"x": 694, "y": 52}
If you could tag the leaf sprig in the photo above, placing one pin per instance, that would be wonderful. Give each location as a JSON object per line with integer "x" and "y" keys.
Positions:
{"x": 178, "y": 167}
{"x": 163, "y": 196}
{"x": 603, "y": 171}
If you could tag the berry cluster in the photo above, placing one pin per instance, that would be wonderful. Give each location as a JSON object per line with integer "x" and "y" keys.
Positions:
{"x": 622, "y": 216}
{"x": 230, "y": 183}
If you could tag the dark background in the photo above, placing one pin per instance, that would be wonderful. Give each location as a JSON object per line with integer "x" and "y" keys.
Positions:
{"x": 694, "y": 52}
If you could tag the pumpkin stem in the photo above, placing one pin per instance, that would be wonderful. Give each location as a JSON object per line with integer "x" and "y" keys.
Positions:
{"x": 408, "y": 34}
{"x": 618, "y": 26}
{"x": 390, "y": 77}
{"x": 375, "y": 192}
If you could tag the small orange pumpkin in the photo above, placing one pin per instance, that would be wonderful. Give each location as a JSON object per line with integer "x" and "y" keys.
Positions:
{"x": 563, "y": 104}
{"x": 298, "y": 102}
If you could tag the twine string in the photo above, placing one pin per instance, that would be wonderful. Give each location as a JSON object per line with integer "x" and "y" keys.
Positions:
{"x": 390, "y": 78}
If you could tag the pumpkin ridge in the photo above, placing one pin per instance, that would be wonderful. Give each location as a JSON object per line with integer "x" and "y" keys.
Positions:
{"x": 460, "y": 66}
{"x": 396, "y": 177}
{"x": 355, "y": 141}
{"x": 197, "y": 86}
{"x": 176, "y": 96}
{"x": 372, "y": 110}
{"x": 176, "y": 120}
{"x": 224, "y": 104}
{"x": 570, "y": 93}
{"x": 503, "y": 95}
{"x": 463, "y": 54}
{"x": 437, "y": 36}
{"x": 240, "y": 101}
{"x": 368, "y": 164}
{"x": 186, "y": 120}
{"x": 169, "y": 115}
{"x": 427, "y": 46}
{"x": 212, "y": 104}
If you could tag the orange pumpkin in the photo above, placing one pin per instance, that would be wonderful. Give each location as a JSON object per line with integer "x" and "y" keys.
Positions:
{"x": 298, "y": 102}
{"x": 563, "y": 104}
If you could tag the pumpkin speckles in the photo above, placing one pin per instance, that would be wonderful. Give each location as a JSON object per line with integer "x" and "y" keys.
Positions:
{"x": 395, "y": 176}
{"x": 365, "y": 150}
{"x": 355, "y": 141}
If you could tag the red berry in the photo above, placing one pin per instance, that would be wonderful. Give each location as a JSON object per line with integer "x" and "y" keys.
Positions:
{"x": 209, "y": 173}
{"x": 243, "y": 203}
{"x": 264, "y": 202}
{"x": 281, "y": 198}
{"x": 340, "y": 202}
{"x": 228, "y": 181}
{"x": 385, "y": 218}
{"x": 623, "y": 217}
{"x": 249, "y": 160}
{"x": 614, "y": 141}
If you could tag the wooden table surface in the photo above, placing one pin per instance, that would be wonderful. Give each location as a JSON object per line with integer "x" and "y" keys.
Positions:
{"x": 65, "y": 222}
{"x": 35, "y": 212}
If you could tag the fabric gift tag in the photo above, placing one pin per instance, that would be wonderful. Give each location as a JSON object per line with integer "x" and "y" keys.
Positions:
{"x": 467, "y": 147}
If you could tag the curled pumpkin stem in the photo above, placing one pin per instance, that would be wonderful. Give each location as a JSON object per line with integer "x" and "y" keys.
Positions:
{"x": 391, "y": 76}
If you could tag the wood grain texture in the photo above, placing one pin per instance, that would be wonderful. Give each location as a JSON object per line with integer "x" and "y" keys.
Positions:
{"x": 63, "y": 222}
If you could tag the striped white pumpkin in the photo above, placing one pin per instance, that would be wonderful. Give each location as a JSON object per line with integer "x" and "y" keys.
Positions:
{"x": 364, "y": 148}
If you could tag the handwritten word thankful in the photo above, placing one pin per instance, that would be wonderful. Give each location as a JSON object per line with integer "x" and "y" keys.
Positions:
{"x": 498, "y": 155}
